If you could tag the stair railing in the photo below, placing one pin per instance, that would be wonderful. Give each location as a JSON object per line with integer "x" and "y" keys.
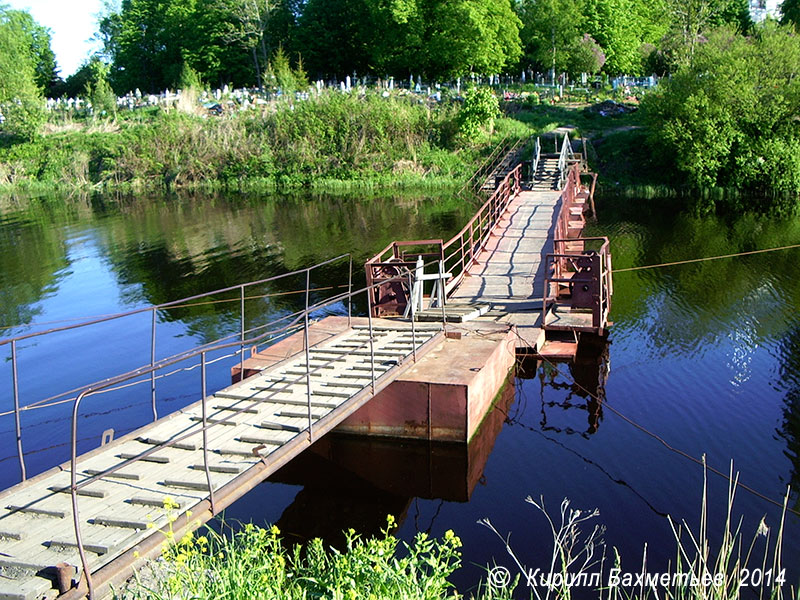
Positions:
{"x": 537, "y": 153}
{"x": 564, "y": 159}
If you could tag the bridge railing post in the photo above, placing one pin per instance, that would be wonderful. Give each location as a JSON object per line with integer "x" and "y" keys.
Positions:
{"x": 17, "y": 425}
{"x": 243, "y": 337}
{"x": 204, "y": 405}
{"x": 413, "y": 324}
{"x": 73, "y": 489}
{"x": 308, "y": 354}
{"x": 154, "y": 321}
{"x": 350, "y": 294}
{"x": 372, "y": 339}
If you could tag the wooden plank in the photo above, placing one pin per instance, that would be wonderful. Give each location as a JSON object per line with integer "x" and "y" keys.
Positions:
{"x": 247, "y": 411}
{"x": 183, "y": 445}
{"x": 280, "y": 426}
{"x": 119, "y": 522}
{"x": 210, "y": 421}
{"x": 153, "y": 458}
{"x": 89, "y": 493}
{"x": 91, "y": 546}
{"x": 114, "y": 475}
{"x": 256, "y": 439}
{"x": 201, "y": 486}
{"x": 154, "y": 501}
{"x": 42, "y": 512}
{"x": 231, "y": 469}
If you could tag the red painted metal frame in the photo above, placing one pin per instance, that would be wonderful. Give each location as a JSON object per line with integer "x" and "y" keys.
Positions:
{"x": 571, "y": 260}
{"x": 458, "y": 253}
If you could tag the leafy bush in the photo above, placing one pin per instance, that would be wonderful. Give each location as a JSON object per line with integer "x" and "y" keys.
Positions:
{"x": 254, "y": 563}
{"x": 477, "y": 115}
{"x": 730, "y": 117}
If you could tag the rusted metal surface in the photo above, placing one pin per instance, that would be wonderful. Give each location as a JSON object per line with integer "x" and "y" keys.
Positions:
{"x": 576, "y": 277}
{"x": 579, "y": 286}
{"x": 456, "y": 254}
{"x": 390, "y": 293}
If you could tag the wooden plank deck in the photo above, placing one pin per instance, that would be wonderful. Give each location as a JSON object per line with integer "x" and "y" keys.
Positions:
{"x": 260, "y": 424}
{"x": 508, "y": 274}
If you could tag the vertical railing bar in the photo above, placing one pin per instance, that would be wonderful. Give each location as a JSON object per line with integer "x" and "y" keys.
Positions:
{"x": 205, "y": 431}
{"x": 241, "y": 350}
{"x": 17, "y": 424}
{"x": 413, "y": 325}
{"x": 73, "y": 490}
{"x": 152, "y": 364}
{"x": 371, "y": 338}
{"x": 350, "y": 294}
{"x": 440, "y": 284}
{"x": 308, "y": 354}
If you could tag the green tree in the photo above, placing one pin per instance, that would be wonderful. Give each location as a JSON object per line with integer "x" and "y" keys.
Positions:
{"x": 38, "y": 38}
{"x": 148, "y": 42}
{"x": 287, "y": 79}
{"x": 790, "y": 13}
{"x": 621, "y": 27}
{"x": 728, "y": 118}
{"x": 465, "y": 36}
{"x": 98, "y": 89}
{"x": 478, "y": 113}
{"x": 552, "y": 30}
{"x": 692, "y": 18}
{"x": 445, "y": 38}
{"x": 337, "y": 37}
{"x": 21, "y": 102}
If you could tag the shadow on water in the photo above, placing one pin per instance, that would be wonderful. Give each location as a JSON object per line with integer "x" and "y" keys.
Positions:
{"x": 355, "y": 482}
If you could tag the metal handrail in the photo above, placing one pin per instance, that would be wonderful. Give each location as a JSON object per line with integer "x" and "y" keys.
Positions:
{"x": 96, "y": 388}
{"x": 463, "y": 247}
{"x": 12, "y": 341}
{"x": 507, "y": 144}
{"x": 564, "y": 158}
{"x": 557, "y": 263}
{"x": 537, "y": 153}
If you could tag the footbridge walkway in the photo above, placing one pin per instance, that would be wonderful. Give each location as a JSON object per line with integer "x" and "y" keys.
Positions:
{"x": 521, "y": 260}
{"x": 76, "y": 529}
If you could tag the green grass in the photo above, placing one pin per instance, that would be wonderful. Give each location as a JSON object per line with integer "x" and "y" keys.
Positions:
{"x": 367, "y": 140}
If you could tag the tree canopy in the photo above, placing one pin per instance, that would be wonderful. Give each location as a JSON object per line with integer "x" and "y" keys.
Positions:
{"x": 23, "y": 65}
{"x": 728, "y": 118}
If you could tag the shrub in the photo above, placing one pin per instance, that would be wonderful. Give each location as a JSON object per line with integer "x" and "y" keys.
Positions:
{"x": 477, "y": 115}
{"x": 730, "y": 117}
{"x": 254, "y": 563}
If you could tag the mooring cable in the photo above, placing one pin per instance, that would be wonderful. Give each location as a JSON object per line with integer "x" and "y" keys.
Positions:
{"x": 668, "y": 446}
{"x": 707, "y": 258}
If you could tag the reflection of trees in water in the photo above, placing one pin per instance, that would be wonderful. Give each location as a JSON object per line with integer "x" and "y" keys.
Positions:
{"x": 211, "y": 243}
{"x": 33, "y": 257}
{"x": 169, "y": 247}
{"x": 789, "y": 429}
{"x": 690, "y": 305}
{"x": 743, "y": 302}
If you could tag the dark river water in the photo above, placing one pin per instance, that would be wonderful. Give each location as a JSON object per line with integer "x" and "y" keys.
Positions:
{"x": 703, "y": 361}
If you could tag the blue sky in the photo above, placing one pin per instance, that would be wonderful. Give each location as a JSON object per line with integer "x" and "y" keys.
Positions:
{"x": 72, "y": 24}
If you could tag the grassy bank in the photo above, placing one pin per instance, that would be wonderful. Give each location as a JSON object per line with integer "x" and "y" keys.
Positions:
{"x": 335, "y": 140}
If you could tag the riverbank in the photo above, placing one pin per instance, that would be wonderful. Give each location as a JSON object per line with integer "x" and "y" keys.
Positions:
{"x": 334, "y": 141}
{"x": 248, "y": 561}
